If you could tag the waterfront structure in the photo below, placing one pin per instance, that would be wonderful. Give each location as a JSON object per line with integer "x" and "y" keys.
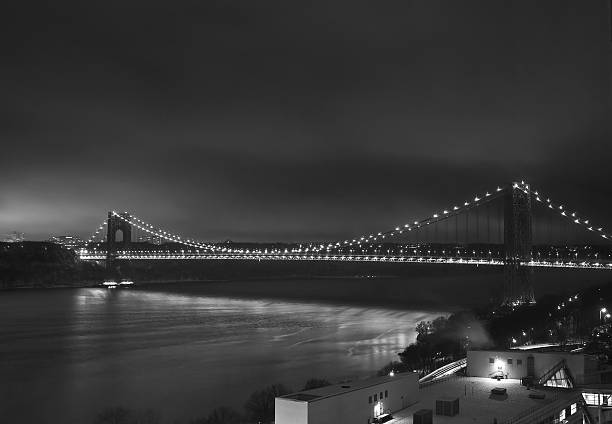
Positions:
{"x": 485, "y": 400}
{"x": 511, "y": 386}
{"x": 552, "y": 369}
{"x": 362, "y": 401}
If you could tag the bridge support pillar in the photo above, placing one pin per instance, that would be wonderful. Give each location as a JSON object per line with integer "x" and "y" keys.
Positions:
{"x": 518, "y": 288}
{"x": 114, "y": 224}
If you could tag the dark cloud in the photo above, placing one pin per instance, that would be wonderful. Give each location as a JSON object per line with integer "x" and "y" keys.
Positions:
{"x": 284, "y": 120}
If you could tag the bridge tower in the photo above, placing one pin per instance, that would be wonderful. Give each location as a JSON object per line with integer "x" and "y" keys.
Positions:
{"x": 518, "y": 241}
{"x": 114, "y": 224}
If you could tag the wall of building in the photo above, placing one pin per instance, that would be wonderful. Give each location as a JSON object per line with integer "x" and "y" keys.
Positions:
{"x": 354, "y": 407}
{"x": 479, "y": 363}
{"x": 351, "y": 407}
{"x": 290, "y": 411}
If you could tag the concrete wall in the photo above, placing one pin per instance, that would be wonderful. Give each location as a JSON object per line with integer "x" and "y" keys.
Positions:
{"x": 290, "y": 411}
{"x": 478, "y": 363}
{"x": 352, "y": 406}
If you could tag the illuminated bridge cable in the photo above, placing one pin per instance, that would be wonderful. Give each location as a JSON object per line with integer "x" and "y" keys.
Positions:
{"x": 571, "y": 217}
{"x": 437, "y": 217}
{"x": 361, "y": 248}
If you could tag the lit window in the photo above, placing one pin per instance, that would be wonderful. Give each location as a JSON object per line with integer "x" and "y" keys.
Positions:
{"x": 573, "y": 409}
{"x": 562, "y": 415}
{"x": 591, "y": 398}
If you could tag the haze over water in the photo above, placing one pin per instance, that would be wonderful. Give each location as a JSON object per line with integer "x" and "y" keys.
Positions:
{"x": 77, "y": 351}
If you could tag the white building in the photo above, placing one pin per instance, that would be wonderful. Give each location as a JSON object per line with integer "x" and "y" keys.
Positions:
{"x": 564, "y": 387}
{"x": 552, "y": 369}
{"x": 357, "y": 402}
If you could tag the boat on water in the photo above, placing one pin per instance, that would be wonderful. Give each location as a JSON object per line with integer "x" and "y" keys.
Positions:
{"x": 112, "y": 284}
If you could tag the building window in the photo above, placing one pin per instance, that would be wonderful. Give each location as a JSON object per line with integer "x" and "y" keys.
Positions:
{"x": 491, "y": 361}
{"x": 369, "y": 399}
{"x": 519, "y": 362}
{"x": 375, "y": 398}
{"x": 381, "y": 396}
{"x": 591, "y": 398}
{"x": 573, "y": 409}
{"x": 509, "y": 361}
{"x": 386, "y": 394}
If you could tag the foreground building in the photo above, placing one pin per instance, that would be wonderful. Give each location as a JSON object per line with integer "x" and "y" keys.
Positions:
{"x": 355, "y": 402}
{"x": 512, "y": 386}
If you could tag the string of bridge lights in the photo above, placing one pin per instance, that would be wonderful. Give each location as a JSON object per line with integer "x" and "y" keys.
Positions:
{"x": 367, "y": 239}
{"x": 360, "y": 241}
{"x": 96, "y": 233}
{"x": 563, "y": 211}
{"x": 158, "y": 232}
{"x": 151, "y": 229}
{"x": 172, "y": 237}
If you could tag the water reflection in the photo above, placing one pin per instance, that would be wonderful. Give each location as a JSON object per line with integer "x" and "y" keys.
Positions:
{"x": 181, "y": 353}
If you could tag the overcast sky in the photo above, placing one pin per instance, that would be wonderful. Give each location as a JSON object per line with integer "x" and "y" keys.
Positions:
{"x": 297, "y": 120}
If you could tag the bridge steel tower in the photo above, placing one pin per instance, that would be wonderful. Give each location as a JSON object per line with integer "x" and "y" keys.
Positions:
{"x": 114, "y": 224}
{"x": 518, "y": 240}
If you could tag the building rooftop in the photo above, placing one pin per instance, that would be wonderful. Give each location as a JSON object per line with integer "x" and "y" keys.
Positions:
{"x": 477, "y": 404}
{"x": 541, "y": 348}
{"x": 340, "y": 388}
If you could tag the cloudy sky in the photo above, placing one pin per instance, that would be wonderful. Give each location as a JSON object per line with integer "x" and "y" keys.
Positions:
{"x": 297, "y": 120}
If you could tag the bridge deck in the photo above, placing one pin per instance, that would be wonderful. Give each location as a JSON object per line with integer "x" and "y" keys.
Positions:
{"x": 126, "y": 255}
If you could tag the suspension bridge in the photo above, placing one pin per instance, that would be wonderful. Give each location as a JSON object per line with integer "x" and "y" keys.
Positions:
{"x": 512, "y": 226}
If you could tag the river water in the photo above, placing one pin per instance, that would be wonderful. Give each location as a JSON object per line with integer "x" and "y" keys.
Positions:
{"x": 66, "y": 354}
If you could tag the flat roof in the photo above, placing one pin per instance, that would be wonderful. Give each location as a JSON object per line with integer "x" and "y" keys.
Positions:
{"x": 533, "y": 351}
{"x": 340, "y": 388}
{"x": 477, "y": 404}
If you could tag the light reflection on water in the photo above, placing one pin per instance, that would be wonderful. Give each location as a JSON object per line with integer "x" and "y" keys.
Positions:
{"x": 81, "y": 350}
